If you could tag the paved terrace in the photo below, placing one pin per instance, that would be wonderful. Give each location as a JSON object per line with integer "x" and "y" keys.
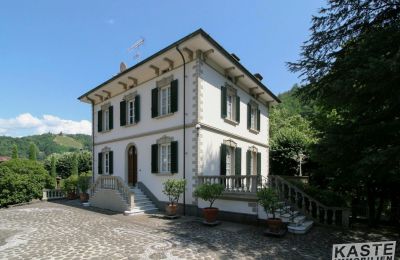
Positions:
{"x": 64, "y": 230}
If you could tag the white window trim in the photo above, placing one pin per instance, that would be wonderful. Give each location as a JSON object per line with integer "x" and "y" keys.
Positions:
{"x": 106, "y": 159}
{"x": 128, "y": 115}
{"x": 167, "y": 89}
{"x": 161, "y": 159}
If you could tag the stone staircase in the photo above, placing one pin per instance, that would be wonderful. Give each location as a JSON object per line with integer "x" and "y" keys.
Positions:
{"x": 296, "y": 222}
{"x": 142, "y": 203}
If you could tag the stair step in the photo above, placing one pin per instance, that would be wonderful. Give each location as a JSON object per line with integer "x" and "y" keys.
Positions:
{"x": 301, "y": 229}
{"x": 299, "y": 220}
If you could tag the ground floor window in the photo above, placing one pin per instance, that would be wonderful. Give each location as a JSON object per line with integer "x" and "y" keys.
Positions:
{"x": 164, "y": 156}
{"x": 105, "y": 162}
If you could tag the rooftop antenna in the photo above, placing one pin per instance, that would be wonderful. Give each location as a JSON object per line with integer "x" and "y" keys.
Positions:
{"x": 135, "y": 47}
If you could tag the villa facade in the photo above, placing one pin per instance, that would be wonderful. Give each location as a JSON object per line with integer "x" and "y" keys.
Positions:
{"x": 191, "y": 111}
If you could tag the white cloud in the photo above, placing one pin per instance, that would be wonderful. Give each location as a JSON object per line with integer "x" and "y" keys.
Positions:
{"x": 26, "y": 124}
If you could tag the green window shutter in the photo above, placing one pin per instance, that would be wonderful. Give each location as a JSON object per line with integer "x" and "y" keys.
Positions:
{"x": 174, "y": 95}
{"x": 154, "y": 102}
{"x": 248, "y": 116}
{"x": 259, "y": 164}
{"x": 111, "y": 162}
{"x": 223, "y": 159}
{"x": 238, "y": 161}
{"x": 223, "y": 102}
{"x": 122, "y": 113}
{"x": 154, "y": 158}
{"x": 238, "y": 109}
{"x": 258, "y": 120}
{"x": 100, "y": 163}
{"x": 111, "y": 117}
{"x": 174, "y": 157}
{"x": 248, "y": 163}
{"x": 137, "y": 108}
{"x": 99, "y": 121}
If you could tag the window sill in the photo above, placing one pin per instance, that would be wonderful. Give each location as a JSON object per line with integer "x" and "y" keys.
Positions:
{"x": 129, "y": 125}
{"x": 104, "y": 131}
{"x": 254, "y": 131}
{"x": 230, "y": 121}
{"x": 163, "y": 173}
{"x": 162, "y": 116}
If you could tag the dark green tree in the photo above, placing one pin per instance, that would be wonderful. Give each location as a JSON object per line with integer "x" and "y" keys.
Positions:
{"x": 14, "y": 154}
{"x": 351, "y": 66}
{"x": 32, "y": 152}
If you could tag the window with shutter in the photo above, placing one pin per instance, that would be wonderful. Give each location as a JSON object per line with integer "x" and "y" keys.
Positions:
{"x": 111, "y": 162}
{"x": 174, "y": 157}
{"x": 137, "y": 109}
{"x": 154, "y": 158}
{"x": 122, "y": 112}
{"x": 258, "y": 120}
{"x": 238, "y": 161}
{"x": 237, "y": 109}
{"x": 253, "y": 116}
{"x": 259, "y": 164}
{"x": 223, "y": 155}
{"x": 154, "y": 102}
{"x": 174, "y": 96}
{"x": 111, "y": 118}
{"x": 100, "y": 163}
{"x": 100, "y": 121}
{"x": 248, "y": 163}
{"x": 223, "y": 102}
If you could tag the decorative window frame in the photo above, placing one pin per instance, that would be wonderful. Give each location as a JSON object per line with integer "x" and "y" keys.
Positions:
{"x": 230, "y": 142}
{"x": 161, "y": 84}
{"x": 128, "y": 98}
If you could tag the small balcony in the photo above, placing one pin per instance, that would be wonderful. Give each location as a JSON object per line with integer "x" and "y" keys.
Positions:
{"x": 237, "y": 187}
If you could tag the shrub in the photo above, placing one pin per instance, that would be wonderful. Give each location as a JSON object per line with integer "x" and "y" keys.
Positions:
{"x": 173, "y": 189}
{"x": 70, "y": 184}
{"x": 22, "y": 180}
{"x": 268, "y": 198}
{"x": 209, "y": 192}
{"x": 84, "y": 181}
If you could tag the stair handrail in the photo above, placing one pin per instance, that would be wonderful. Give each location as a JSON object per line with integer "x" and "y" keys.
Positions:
{"x": 273, "y": 182}
{"x": 114, "y": 183}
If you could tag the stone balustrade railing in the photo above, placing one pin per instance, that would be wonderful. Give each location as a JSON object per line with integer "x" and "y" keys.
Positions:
{"x": 233, "y": 184}
{"x": 49, "y": 194}
{"x": 113, "y": 183}
{"x": 308, "y": 205}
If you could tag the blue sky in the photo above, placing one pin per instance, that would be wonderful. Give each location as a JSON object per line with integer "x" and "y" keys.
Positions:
{"x": 51, "y": 52}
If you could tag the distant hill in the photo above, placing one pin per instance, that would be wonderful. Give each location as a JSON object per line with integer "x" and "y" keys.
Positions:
{"x": 46, "y": 143}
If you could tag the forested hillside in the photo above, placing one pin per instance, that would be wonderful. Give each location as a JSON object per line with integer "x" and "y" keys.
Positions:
{"x": 46, "y": 144}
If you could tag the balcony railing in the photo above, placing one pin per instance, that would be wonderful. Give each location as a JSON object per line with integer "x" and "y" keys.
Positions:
{"x": 240, "y": 184}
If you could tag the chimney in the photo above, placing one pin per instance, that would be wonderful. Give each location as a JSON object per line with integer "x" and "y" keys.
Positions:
{"x": 235, "y": 57}
{"x": 258, "y": 76}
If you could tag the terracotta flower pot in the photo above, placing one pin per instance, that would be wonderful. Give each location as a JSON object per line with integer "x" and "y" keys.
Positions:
{"x": 210, "y": 214}
{"x": 274, "y": 224}
{"x": 71, "y": 195}
{"x": 84, "y": 197}
{"x": 171, "y": 209}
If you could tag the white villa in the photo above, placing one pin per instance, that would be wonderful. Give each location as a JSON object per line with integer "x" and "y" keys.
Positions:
{"x": 190, "y": 111}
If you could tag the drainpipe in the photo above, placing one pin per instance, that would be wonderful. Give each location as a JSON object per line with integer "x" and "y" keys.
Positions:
{"x": 184, "y": 127}
{"x": 92, "y": 102}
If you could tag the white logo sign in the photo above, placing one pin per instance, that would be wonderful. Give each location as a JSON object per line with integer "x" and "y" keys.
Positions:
{"x": 364, "y": 251}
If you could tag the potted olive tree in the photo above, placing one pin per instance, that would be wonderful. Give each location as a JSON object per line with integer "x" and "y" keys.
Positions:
{"x": 83, "y": 185}
{"x": 269, "y": 200}
{"x": 209, "y": 192}
{"x": 69, "y": 186}
{"x": 173, "y": 189}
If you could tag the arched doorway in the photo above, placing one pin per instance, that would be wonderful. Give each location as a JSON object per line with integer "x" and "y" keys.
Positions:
{"x": 132, "y": 166}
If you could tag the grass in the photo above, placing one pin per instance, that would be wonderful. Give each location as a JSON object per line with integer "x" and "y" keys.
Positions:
{"x": 67, "y": 141}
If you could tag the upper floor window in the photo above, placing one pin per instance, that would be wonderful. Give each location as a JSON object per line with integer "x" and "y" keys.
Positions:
{"x": 230, "y": 104}
{"x": 164, "y": 156}
{"x": 253, "y": 116}
{"x": 164, "y": 98}
{"x": 105, "y": 118}
{"x": 130, "y": 109}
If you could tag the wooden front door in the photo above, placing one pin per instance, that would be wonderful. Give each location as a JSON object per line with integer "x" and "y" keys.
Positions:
{"x": 132, "y": 166}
